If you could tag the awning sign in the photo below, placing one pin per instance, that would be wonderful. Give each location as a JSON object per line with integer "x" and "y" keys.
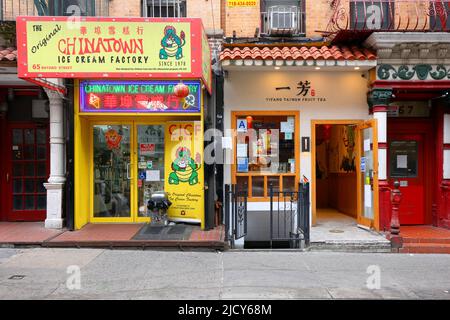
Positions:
{"x": 58, "y": 47}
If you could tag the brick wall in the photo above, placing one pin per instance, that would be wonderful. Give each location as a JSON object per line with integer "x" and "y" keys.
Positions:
{"x": 208, "y": 10}
{"x": 243, "y": 20}
{"x": 318, "y": 14}
{"x": 128, "y": 8}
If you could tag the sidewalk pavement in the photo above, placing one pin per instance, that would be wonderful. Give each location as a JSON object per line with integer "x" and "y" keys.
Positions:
{"x": 101, "y": 235}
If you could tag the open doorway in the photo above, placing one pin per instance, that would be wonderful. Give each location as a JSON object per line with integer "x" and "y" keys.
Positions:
{"x": 344, "y": 181}
{"x": 335, "y": 174}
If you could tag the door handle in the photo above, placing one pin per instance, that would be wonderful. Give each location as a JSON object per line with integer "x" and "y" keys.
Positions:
{"x": 128, "y": 171}
{"x": 7, "y": 177}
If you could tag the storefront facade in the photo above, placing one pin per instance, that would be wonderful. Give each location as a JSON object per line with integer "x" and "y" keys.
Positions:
{"x": 410, "y": 93}
{"x": 24, "y": 127}
{"x": 314, "y": 104}
{"x": 125, "y": 153}
{"x": 139, "y": 87}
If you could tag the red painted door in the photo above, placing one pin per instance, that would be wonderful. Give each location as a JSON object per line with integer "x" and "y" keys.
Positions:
{"x": 406, "y": 164}
{"x": 27, "y": 169}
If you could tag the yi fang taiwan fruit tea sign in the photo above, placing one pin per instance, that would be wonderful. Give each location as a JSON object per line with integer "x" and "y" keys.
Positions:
{"x": 138, "y": 96}
{"x": 61, "y": 47}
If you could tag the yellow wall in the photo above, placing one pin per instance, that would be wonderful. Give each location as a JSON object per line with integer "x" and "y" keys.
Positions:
{"x": 82, "y": 185}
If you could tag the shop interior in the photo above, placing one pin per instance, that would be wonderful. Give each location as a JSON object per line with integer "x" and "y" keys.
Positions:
{"x": 336, "y": 177}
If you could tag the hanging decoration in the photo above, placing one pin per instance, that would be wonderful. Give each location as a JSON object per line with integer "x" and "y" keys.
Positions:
{"x": 181, "y": 90}
{"x": 113, "y": 139}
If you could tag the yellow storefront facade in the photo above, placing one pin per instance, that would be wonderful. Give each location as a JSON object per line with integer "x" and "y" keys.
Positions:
{"x": 139, "y": 88}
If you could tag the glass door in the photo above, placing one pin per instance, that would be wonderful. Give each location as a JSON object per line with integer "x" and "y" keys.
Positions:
{"x": 112, "y": 173}
{"x": 150, "y": 164}
{"x": 368, "y": 174}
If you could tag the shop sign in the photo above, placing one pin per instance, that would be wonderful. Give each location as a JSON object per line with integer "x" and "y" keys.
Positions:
{"x": 137, "y": 96}
{"x": 302, "y": 91}
{"x": 60, "y": 47}
{"x": 408, "y": 109}
{"x": 241, "y": 125}
{"x": 184, "y": 179}
{"x": 242, "y": 3}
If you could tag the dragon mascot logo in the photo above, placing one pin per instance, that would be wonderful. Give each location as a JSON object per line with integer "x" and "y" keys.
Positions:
{"x": 184, "y": 167}
{"x": 172, "y": 44}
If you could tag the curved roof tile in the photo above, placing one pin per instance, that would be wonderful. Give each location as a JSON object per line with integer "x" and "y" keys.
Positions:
{"x": 334, "y": 52}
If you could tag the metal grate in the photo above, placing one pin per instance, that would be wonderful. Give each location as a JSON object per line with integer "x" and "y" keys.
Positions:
{"x": 10, "y": 9}
{"x": 164, "y": 8}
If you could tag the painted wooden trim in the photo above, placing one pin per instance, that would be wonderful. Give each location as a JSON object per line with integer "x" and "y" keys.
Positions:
{"x": 234, "y": 174}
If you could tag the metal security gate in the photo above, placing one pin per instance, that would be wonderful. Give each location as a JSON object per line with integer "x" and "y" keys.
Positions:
{"x": 235, "y": 213}
{"x": 289, "y": 217}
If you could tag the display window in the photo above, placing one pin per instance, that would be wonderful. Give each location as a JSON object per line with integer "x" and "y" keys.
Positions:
{"x": 266, "y": 152}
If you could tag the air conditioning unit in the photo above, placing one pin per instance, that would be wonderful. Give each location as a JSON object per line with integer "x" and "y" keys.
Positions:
{"x": 283, "y": 19}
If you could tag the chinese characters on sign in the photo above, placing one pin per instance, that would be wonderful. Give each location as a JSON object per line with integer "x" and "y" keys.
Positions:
{"x": 137, "y": 48}
{"x": 305, "y": 92}
{"x": 138, "y": 96}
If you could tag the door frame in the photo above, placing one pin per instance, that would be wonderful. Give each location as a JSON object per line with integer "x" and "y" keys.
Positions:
{"x": 134, "y": 210}
{"x": 131, "y": 218}
{"x": 6, "y": 186}
{"x": 371, "y": 123}
{"x": 134, "y": 195}
{"x": 314, "y": 124}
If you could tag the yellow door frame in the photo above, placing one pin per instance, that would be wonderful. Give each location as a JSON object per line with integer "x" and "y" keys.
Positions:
{"x": 134, "y": 195}
{"x": 134, "y": 210}
{"x": 129, "y": 219}
{"x": 375, "y": 223}
{"x": 314, "y": 123}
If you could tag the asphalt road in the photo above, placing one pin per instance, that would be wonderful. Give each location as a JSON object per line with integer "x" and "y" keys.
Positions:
{"x": 126, "y": 274}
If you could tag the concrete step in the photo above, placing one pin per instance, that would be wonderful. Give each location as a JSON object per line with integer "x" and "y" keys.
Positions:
{"x": 425, "y": 248}
{"x": 352, "y": 246}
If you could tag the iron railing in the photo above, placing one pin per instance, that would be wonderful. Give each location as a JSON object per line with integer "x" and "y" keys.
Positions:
{"x": 164, "y": 8}
{"x": 283, "y": 20}
{"x": 289, "y": 216}
{"x": 235, "y": 213}
{"x": 389, "y": 15}
{"x": 10, "y": 9}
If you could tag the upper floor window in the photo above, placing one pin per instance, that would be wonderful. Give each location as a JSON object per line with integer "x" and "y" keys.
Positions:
{"x": 282, "y": 17}
{"x": 372, "y": 14}
{"x": 164, "y": 8}
{"x": 72, "y": 7}
{"x": 10, "y": 9}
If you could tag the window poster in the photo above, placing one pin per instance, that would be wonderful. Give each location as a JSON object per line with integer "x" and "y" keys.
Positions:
{"x": 241, "y": 150}
{"x": 242, "y": 164}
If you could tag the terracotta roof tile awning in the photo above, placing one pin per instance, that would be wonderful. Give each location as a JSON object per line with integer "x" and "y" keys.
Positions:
{"x": 8, "y": 54}
{"x": 299, "y": 56}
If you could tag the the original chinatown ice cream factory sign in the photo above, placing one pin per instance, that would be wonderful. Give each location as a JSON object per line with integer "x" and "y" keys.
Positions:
{"x": 62, "y": 47}
{"x": 138, "y": 96}
{"x": 301, "y": 91}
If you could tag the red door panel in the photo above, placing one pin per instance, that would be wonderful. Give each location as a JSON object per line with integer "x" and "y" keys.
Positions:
{"x": 406, "y": 164}
{"x": 27, "y": 169}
